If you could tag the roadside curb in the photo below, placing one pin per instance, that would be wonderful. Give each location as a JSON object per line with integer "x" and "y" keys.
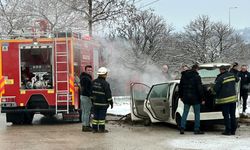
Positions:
{"x": 244, "y": 120}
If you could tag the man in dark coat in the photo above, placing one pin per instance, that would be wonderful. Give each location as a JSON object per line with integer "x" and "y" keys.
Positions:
{"x": 86, "y": 91}
{"x": 244, "y": 75}
{"x": 226, "y": 97}
{"x": 102, "y": 98}
{"x": 191, "y": 93}
{"x": 235, "y": 69}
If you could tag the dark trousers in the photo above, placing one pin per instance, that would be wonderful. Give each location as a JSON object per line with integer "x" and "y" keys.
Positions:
{"x": 98, "y": 122}
{"x": 244, "y": 96}
{"x": 228, "y": 111}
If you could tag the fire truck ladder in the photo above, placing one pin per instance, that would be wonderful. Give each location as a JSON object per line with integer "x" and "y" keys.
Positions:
{"x": 62, "y": 84}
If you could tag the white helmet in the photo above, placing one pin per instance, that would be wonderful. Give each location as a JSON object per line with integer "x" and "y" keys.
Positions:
{"x": 102, "y": 71}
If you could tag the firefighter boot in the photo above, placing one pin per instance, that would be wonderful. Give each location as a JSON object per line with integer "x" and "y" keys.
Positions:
{"x": 102, "y": 129}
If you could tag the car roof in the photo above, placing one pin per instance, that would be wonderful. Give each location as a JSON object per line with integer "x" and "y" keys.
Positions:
{"x": 214, "y": 65}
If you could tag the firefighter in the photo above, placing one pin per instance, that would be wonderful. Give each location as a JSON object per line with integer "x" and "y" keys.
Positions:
{"x": 226, "y": 97}
{"x": 86, "y": 91}
{"x": 102, "y": 98}
{"x": 244, "y": 75}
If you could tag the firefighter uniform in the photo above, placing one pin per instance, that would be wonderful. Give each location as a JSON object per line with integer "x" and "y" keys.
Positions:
{"x": 102, "y": 98}
{"x": 226, "y": 97}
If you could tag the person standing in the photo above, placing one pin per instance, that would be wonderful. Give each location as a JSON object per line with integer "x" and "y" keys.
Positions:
{"x": 184, "y": 67}
{"x": 86, "y": 91}
{"x": 102, "y": 98}
{"x": 226, "y": 97}
{"x": 165, "y": 72}
{"x": 191, "y": 93}
{"x": 244, "y": 75}
{"x": 235, "y": 69}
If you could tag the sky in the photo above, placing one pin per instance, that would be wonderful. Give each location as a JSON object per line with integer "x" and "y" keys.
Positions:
{"x": 180, "y": 13}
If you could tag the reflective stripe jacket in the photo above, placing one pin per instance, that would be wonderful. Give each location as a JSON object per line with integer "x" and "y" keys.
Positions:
{"x": 225, "y": 88}
{"x": 101, "y": 93}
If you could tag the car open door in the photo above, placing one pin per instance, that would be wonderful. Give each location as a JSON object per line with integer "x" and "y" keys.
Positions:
{"x": 157, "y": 102}
{"x": 139, "y": 93}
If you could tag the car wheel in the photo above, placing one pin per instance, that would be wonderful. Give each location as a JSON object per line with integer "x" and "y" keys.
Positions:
{"x": 147, "y": 122}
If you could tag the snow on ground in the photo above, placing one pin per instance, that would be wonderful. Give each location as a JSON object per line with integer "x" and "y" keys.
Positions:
{"x": 248, "y": 106}
{"x": 211, "y": 142}
{"x": 121, "y": 105}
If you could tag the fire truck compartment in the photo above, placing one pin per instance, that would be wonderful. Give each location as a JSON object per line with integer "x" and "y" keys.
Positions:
{"x": 36, "y": 67}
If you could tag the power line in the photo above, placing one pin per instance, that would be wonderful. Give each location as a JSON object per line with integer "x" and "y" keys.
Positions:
{"x": 138, "y": 1}
{"x": 150, "y": 3}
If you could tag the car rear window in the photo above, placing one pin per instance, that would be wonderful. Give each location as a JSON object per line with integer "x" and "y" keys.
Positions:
{"x": 209, "y": 73}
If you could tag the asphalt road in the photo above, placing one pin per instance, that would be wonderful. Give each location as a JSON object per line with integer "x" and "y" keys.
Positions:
{"x": 55, "y": 134}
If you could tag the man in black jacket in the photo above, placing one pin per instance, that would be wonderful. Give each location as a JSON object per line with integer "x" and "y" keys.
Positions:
{"x": 235, "y": 69}
{"x": 102, "y": 98}
{"x": 244, "y": 75}
{"x": 86, "y": 91}
{"x": 191, "y": 93}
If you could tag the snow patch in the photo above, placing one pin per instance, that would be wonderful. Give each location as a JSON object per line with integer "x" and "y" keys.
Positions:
{"x": 121, "y": 105}
{"x": 211, "y": 142}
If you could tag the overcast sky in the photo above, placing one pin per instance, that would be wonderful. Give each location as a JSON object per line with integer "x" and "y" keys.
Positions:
{"x": 179, "y": 13}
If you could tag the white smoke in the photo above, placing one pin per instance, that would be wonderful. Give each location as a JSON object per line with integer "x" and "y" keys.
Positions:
{"x": 125, "y": 68}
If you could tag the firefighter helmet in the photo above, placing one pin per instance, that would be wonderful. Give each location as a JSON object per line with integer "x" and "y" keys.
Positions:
{"x": 102, "y": 71}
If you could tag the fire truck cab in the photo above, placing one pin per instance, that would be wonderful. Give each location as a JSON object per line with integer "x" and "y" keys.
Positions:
{"x": 40, "y": 75}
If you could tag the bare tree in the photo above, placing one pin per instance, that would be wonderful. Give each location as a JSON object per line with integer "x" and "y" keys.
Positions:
{"x": 24, "y": 14}
{"x": 12, "y": 17}
{"x": 238, "y": 50}
{"x": 97, "y": 11}
{"x": 196, "y": 37}
{"x": 54, "y": 12}
{"x": 222, "y": 41}
{"x": 206, "y": 41}
{"x": 146, "y": 34}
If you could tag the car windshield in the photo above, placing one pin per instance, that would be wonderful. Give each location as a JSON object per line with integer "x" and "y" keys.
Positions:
{"x": 209, "y": 72}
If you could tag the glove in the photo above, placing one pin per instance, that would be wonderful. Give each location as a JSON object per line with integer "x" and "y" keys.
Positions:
{"x": 111, "y": 104}
{"x": 203, "y": 102}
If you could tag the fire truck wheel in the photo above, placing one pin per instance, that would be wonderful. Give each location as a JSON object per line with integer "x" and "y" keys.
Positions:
{"x": 28, "y": 118}
{"x": 80, "y": 115}
{"x": 15, "y": 118}
{"x": 48, "y": 115}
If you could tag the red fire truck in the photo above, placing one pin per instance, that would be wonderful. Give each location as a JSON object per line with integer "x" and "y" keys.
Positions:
{"x": 38, "y": 75}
